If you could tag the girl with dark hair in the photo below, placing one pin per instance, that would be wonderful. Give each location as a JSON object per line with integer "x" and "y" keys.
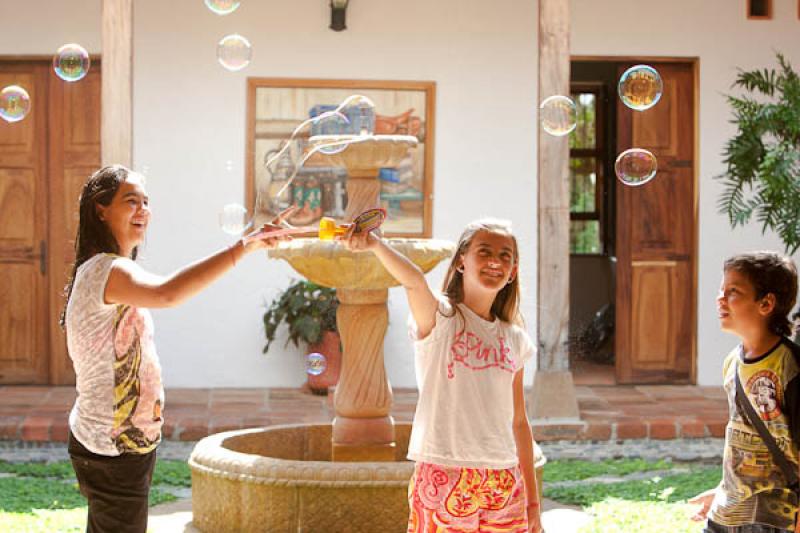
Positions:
{"x": 470, "y": 439}
{"x": 115, "y": 424}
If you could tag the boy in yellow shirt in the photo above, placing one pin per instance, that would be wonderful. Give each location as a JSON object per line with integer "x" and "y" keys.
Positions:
{"x": 757, "y": 295}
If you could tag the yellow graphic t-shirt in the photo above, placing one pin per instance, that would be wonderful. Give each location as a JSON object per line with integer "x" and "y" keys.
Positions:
{"x": 754, "y": 490}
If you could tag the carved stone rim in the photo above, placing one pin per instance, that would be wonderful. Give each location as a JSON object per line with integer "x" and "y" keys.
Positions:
{"x": 210, "y": 457}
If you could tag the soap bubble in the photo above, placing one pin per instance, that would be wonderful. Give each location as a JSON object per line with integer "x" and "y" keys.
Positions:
{"x": 635, "y": 166}
{"x": 316, "y": 363}
{"x": 71, "y": 62}
{"x": 233, "y": 219}
{"x": 234, "y": 52}
{"x": 329, "y": 123}
{"x": 223, "y": 7}
{"x": 640, "y": 87}
{"x": 360, "y": 111}
{"x": 332, "y": 147}
{"x": 558, "y": 115}
{"x": 14, "y": 103}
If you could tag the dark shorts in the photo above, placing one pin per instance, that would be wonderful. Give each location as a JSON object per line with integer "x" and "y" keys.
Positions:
{"x": 116, "y": 488}
{"x": 713, "y": 527}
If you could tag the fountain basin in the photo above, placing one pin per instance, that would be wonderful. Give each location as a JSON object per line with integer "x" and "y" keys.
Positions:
{"x": 281, "y": 479}
{"x": 330, "y": 264}
{"x": 366, "y": 153}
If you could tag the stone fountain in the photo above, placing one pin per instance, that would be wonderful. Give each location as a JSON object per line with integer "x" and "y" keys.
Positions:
{"x": 350, "y": 475}
{"x": 302, "y": 477}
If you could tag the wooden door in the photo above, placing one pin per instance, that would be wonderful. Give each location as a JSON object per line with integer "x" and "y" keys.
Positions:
{"x": 23, "y": 232}
{"x": 74, "y": 153}
{"x": 44, "y": 160}
{"x": 656, "y": 236}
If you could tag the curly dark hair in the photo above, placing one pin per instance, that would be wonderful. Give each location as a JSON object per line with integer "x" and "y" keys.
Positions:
{"x": 770, "y": 273}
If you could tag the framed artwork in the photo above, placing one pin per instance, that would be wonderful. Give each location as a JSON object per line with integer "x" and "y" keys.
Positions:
{"x": 276, "y": 106}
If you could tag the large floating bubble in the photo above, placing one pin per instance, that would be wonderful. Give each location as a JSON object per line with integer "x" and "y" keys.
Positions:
{"x": 234, "y": 52}
{"x": 233, "y": 219}
{"x": 636, "y": 166}
{"x": 360, "y": 111}
{"x": 330, "y": 123}
{"x": 353, "y": 118}
{"x": 14, "y": 103}
{"x": 558, "y": 115}
{"x": 71, "y": 62}
{"x": 223, "y": 7}
{"x": 316, "y": 363}
{"x": 640, "y": 87}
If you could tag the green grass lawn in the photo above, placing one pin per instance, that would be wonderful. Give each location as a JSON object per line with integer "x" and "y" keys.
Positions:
{"x": 45, "y": 498}
{"x": 655, "y": 504}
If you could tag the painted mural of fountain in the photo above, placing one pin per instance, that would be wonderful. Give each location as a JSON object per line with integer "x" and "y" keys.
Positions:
{"x": 327, "y": 477}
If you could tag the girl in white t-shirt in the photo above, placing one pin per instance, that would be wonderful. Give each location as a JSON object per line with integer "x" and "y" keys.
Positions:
{"x": 115, "y": 424}
{"x": 471, "y": 439}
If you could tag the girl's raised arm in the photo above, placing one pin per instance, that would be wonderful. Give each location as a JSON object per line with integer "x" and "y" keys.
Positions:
{"x": 421, "y": 300}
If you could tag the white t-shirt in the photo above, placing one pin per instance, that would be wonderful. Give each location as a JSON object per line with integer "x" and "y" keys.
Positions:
{"x": 118, "y": 377}
{"x": 465, "y": 369}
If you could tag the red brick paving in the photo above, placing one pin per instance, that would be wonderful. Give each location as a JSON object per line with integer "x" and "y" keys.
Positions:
{"x": 607, "y": 412}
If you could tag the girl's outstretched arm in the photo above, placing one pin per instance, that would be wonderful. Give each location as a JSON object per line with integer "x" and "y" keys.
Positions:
{"x": 421, "y": 300}
{"x": 130, "y": 284}
{"x": 524, "y": 440}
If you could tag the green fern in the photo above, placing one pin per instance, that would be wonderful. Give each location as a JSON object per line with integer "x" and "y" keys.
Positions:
{"x": 762, "y": 176}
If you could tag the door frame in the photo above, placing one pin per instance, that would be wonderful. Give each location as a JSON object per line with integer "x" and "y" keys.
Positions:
{"x": 694, "y": 63}
{"x": 58, "y": 367}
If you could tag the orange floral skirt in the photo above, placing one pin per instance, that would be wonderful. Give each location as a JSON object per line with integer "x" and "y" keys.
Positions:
{"x": 445, "y": 499}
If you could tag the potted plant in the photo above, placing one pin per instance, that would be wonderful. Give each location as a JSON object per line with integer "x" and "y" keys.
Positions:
{"x": 309, "y": 311}
{"x": 762, "y": 177}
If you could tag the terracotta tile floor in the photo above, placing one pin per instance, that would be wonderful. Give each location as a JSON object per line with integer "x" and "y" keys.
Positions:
{"x": 34, "y": 413}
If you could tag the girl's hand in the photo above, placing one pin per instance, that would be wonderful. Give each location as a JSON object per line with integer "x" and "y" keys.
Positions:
{"x": 358, "y": 241}
{"x": 261, "y": 239}
{"x": 534, "y": 519}
{"x": 704, "y": 500}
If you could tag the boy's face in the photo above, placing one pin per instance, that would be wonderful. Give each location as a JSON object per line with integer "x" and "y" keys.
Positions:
{"x": 738, "y": 310}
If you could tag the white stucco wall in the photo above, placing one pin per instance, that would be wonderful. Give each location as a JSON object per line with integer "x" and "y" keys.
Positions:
{"x": 718, "y": 33}
{"x": 189, "y": 121}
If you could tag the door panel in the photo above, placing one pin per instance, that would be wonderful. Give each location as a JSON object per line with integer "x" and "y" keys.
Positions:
{"x": 74, "y": 154}
{"x": 23, "y": 227}
{"x": 656, "y": 228}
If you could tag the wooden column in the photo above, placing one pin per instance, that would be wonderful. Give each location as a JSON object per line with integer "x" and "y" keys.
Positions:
{"x": 117, "y": 83}
{"x": 553, "y": 393}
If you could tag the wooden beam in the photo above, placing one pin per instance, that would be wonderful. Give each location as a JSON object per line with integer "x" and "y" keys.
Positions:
{"x": 116, "y": 132}
{"x": 553, "y": 393}
{"x": 553, "y": 168}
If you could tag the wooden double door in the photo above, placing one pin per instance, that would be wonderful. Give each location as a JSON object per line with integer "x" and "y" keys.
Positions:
{"x": 655, "y": 339}
{"x": 44, "y": 161}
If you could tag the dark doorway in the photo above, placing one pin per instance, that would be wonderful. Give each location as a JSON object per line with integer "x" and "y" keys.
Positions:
{"x": 632, "y": 249}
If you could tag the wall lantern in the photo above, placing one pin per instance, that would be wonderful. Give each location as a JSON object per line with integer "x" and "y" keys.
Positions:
{"x": 338, "y": 9}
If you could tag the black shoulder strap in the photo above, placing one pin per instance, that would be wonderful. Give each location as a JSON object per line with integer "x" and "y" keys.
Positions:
{"x": 746, "y": 408}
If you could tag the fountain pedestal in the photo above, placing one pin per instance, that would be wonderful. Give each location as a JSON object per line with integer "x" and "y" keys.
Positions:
{"x": 363, "y": 429}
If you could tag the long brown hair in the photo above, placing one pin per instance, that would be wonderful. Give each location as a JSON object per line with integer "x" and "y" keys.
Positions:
{"x": 506, "y": 302}
{"x": 94, "y": 236}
